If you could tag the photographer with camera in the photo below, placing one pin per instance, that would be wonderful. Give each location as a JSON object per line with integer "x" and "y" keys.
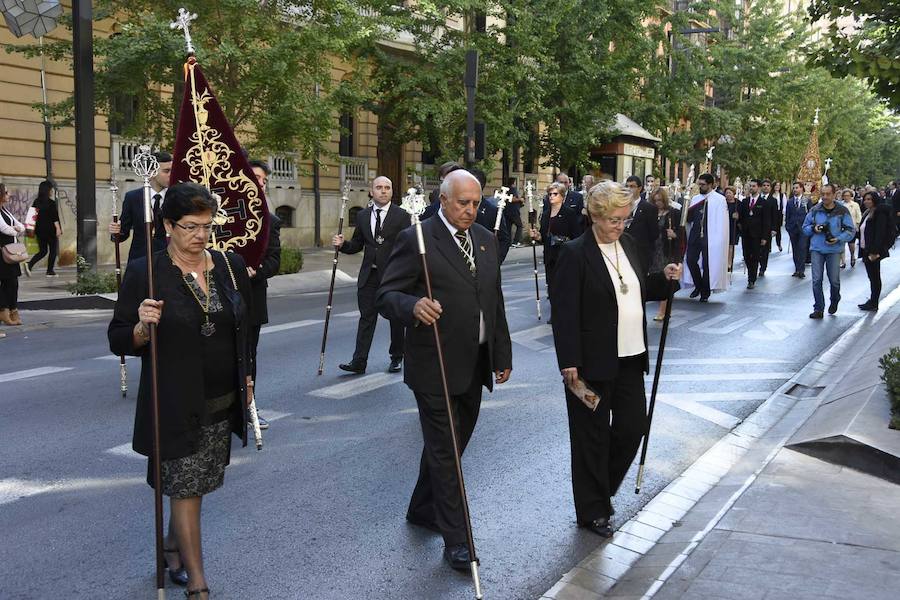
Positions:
{"x": 829, "y": 226}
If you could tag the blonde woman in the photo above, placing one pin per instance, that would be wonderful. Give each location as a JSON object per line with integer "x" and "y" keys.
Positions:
{"x": 855, "y": 214}
{"x": 599, "y": 291}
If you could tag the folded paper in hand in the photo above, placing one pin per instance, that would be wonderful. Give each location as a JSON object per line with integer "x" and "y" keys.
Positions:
{"x": 584, "y": 393}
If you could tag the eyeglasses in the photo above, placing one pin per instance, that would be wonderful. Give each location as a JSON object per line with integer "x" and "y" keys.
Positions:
{"x": 616, "y": 221}
{"x": 553, "y": 193}
{"x": 193, "y": 227}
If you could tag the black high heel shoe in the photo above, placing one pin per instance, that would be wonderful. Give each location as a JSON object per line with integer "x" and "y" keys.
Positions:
{"x": 178, "y": 576}
{"x": 189, "y": 593}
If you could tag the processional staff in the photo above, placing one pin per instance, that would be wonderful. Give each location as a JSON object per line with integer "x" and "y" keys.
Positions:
{"x": 532, "y": 220}
{"x": 503, "y": 197}
{"x": 146, "y": 166}
{"x": 414, "y": 203}
{"x": 114, "y": 191}
{"x": 345, "y": 198}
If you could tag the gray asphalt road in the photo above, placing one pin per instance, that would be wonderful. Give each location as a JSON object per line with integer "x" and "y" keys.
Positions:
{"x": 319, "y": 513}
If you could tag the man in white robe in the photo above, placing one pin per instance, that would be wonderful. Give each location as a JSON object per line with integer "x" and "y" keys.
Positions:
{"x": 707, "y": 241}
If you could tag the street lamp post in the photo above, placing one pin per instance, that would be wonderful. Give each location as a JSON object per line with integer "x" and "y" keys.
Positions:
{"x": 85, "y": 188}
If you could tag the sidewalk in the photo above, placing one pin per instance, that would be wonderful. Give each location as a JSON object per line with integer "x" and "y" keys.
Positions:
{"x": 755, "y": 519}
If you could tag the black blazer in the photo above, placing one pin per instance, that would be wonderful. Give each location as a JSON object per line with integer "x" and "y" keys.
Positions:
{"x": 487, "y": 217}
{"x": 571, "y": 225}
{"x": 880, "y": 232}
{"x": 269, "y": 267}
{"x": 776, "y": 216}
{"x": 585, "y": 310}
{"x": 395, "y": 221}
{"x": 759, "y": 225}
{"x": 463, "y": 299}
{"x": 132, "y": 218}
{"x": 181, "y": 393}
{"x": 644, "y": 229}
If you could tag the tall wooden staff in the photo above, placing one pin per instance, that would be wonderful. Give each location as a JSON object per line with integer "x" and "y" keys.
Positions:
{"x": 146, "y": 166}
{"x": 114, "y": 190}
{"x": 345, "y": 197}
{"x": 419, "y": 201}
{"x": 662, "y": 343}
{"x": 532, "y": 220}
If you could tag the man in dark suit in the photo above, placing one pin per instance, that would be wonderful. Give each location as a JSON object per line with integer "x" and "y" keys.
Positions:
{"x": 894, "y": 201}
{"x": 795, "y": 211}
{"x": 753, "y": 219}
{"x": 644, "y": 224}
{"x": 487, "y": 217}
{"x": 260, "y": 274}
{"x": 376, "y": 230}
{"x": 468, "y": 306}
{"x": 772, "y": 206}
{"x": 132, "y": 214}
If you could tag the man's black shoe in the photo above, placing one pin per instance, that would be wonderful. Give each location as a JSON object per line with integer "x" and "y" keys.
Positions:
{"x": 418, "y": 522}
{"x": 704, "y": 299}
{"x": 695, "y": 293}
{"x": 457, "y": 556}
{"x": 751, "y": 285}
{"x": 795, "y": 274}
{"x": 762, "y": 274}
{"x": 832, "y": 308}
{"x": 801, "y": 276}
{"x": 599, "y": 526}
{"x": 868, "y": 306}
{"x": 396, "y": 365}
{"x": 816, "y": 314}
{"x": 353, "y": 367}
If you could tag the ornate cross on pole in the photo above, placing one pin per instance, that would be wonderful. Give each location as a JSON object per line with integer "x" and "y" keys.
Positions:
{"x": 183, "y": 22}
{"x": 709, "y": 153}
{"x": 503, "y": 197}
{"x": 816, "y": 120}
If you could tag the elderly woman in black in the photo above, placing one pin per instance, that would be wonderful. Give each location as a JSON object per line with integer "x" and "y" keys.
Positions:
{"x": 600, "y": 333}
{"x": 559, "y": 224}
{"x": 201, "y": 311}
{"x": 876, "y": 236}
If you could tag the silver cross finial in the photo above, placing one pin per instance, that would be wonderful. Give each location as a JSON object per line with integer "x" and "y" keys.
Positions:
{"x": 709, "y": 153}
{"x": 503, "y": 196}
{"x": 828, "y": 162}
{"x": 816, "y": 120}
{"x": 183, "y": 22}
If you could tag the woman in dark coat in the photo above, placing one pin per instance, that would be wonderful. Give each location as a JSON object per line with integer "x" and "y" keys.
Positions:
{"x": 202, "y": 313}
{"x": 876, "y": 236}
{"x": 47, "y": 229}
{"x": 600, "y": 333}
{"x": 559, "y": 224}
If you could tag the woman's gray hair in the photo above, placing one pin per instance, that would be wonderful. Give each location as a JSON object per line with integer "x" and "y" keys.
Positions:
{"x": 606, "y": 197}
{"x": 559, "y": 187}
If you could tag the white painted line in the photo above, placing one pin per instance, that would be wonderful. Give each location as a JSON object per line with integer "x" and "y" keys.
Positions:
{"x": 357, "y": 385}
{"x": 353, "y": 313}
{"x": 749, "y": 376}
{"x": 723, "y": 361}
{"x": 272, "y": 415}
{"x": 291, "y": 325}
{"x": 12, "y": 489}
{"x": 714, "y": 396}
{"x": 520, "y": 300}
{"x": 528, "y": 337}
{"x": 722, "y": 324}
{"x": 16, "y": 375}
{"x": 123, "y": 450}
{"x": 114, "y": 357}
{"x": 707, "y": 413}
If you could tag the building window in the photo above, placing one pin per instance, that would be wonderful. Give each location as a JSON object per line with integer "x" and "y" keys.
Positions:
{"x": 352, "y": 215}
{"x": 531, "y": 152}
{"x": 284, "y": 169}
{"x": 122, "y": 111}
{"x": 286, "y": 215}
{"x": 347, "y": 123}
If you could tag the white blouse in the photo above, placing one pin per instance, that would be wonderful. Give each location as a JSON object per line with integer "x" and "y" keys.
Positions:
{"x": 15, "y": 229}
{"x": 631, "y": 307}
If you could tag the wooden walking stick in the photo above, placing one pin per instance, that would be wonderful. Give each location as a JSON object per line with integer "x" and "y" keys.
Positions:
{"x": 416, "y": 201}
{"x": 114, "y": 190}
{"x": 146, "y": 166}
{"x": 532, "y": 220}
{"x": 345, "y": 196}
{"x": 659, "y": 355}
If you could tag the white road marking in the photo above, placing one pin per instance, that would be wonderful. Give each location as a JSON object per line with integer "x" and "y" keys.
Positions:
{"x": 123, "y": 450}
{"x": 353, "y": 313}
{"x": 723, "y": 361}
{"x": 747, "y": 376}
{"x": 774, "y": 331}
{"x": 722, "y": 324}
{"x": 12, "y": 489}
{"x": 291, "y": 325}
{"x": 715, "y": 396}
{"x": 528, "y": 337}
{"x": 16, "y": 375}
{"x": 357, "y": 385}
{"x": 114, "y": 357}
{"x": 520, "y": 300}
{"x": 707, "y": 413}
{"x": 272, "y": 415}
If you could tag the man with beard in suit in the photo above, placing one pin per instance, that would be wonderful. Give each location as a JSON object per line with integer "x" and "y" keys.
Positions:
{"x": 464, "y": 270}
{"x": 377, "y": 228}
{"x": 643, "y": 225}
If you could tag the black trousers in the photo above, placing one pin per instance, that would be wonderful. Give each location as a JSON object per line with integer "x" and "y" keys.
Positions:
{"x": 764, "y": 252}
{"x": 778, "y": 236}
{"x": 603, "y": 448}
{"x": 46, "y": 245}
{"x": 9, "y": 292}
{"x": 436, "y": 497}
{"x": 368, "y": 318}
{"x": 798, "y": 247}
{"x": 873, "y": 270}
{"x": 515, "y": 220}
{"x": 253, "y": 340}
{"x": 752, "y": 250}
{"x": 695, "y": 250}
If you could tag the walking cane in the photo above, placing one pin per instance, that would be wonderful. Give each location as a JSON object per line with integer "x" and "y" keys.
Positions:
{"x": 345, "y": 192}
{"x": 146, "y": 166}
{"x": 532, "y": 220}
{"x": 114, "y": 190}
{"x": 659, "y": 360}
{"x": 470, "y": 538}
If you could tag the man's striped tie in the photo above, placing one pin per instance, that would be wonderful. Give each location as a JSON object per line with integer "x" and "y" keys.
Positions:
{"x": 466, "y": 248}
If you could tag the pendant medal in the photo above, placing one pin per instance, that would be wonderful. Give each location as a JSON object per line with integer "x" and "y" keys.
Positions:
{"x": 751, "y": 212}
{"x": 623, "y": 287}
{"x": 207, "y": 329}
{"x": 379, "y": 240}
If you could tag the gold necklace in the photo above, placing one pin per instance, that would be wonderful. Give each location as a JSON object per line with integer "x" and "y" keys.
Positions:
{"x": 623, "y": 287}
{"x": 207, "y": 328}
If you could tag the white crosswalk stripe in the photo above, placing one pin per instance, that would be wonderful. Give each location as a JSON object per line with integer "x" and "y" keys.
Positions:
{"x": 28, "y": 373}
{"x": 357, "y": 385}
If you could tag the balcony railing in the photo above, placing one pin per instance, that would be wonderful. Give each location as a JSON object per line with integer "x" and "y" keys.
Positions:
{"x": 355, "y": 171}
{"x": 284, "y": 169}
{"x": 122, "y": 152}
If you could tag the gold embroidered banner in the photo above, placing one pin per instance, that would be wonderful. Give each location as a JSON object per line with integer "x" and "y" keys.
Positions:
{"x": 207, "y": 152}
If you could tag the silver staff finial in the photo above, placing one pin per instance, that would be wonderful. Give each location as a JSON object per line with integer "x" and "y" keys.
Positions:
{"x": 144, "y": 163}
{"x": 183, "y": 22}
{"x": 709, "y": 153}
{"x": 816, "y": 119}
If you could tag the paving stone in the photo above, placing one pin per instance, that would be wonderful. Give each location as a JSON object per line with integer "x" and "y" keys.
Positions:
{"x": 642, "y": 530}
{"x": 589, "y": 580}
{"x": 570, "y": 591}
